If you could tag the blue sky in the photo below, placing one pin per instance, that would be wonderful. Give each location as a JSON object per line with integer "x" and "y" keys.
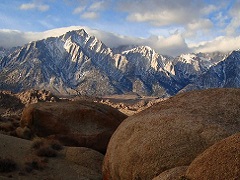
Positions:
{"x": 169, "y": 26}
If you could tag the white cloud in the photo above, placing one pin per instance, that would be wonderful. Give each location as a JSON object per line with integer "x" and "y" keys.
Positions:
{"x": 28, "y": 6}
{"x": 34, "y": 5}
{"x": 198, "y": 28}
{"x": 90, "y": 15}
{"x": 234, "y": 24}
{"x": 221, "y": 43}
{"x": 173, "y": 45}
{"x": 162, "y": 12}
{"x": 96, "y": 6}
{"x": 90, "y": 9}
{"x": 79, "y": 10}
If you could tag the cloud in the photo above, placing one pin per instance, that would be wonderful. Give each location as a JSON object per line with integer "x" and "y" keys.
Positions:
{"x": 173, "y": 45}
{"x": 27, "y": 6}
{"x": 34, "y": 5}
{"x": 90, "y": 9}
{"x": 221, "y": 43}
{"x": 233, "y": 27}
{"x": 90, "y": 15}
{"x": 11, "y": 38}
{"x": 99, "y": 5}
{"x": 162, "y": 12}
{"x": 79, "y": 10}
{"x": 198, "y": 28}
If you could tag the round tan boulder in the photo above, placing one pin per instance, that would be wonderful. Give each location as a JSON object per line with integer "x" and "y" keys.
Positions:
{"x": 172, "y": 174}
{"x": 220, "y": 161}
{"x": 78, "y": 123}
{"x": 171, "y": 133}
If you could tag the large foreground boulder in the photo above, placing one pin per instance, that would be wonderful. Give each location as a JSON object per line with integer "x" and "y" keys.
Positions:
{"x": 78, "y": 123}
{"x": 220, "y": 161}
{"x": 88, "y": 162}
{"x": 86, "y": 158}
{"x": 172, "y": 174}
{"x": 171, "y": 133}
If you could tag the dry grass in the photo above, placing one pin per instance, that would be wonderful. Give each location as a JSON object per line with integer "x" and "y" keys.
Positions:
{"x": 35, "y": 163}
{"x": 46, "y": 152}
{"x": 6, "y": 126}
{"x": 55, "y": 144}
{"x": 46, "y": 148}
{"x": 37, "y": 143}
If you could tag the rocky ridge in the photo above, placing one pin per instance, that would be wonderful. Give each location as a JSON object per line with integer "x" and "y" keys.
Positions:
{"x": 77, "y": 63}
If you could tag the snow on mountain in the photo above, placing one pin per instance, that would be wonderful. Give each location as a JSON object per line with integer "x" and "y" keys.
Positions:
{"x": 224, "y": 74}
{"x": 73, "y": 62}
{"x": 188, "y": 67}
{"x": 79, "y": 63}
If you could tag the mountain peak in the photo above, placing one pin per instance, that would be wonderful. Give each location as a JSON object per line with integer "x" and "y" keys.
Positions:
{"x": 78, "y": 62}
{"x": 80, "y": 32}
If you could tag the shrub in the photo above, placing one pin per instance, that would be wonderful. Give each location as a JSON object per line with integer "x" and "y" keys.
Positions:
{"x": 7, "y": 165}
{"x": 6, "y": 126}
{"x": 37, "y": 143}
{"x": 46, "y": 151}
{"x": 35, "y": 163}
{"x": 55, "y": 144}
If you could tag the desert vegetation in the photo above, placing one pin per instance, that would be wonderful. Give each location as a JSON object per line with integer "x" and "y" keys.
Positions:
{"x": 46, "y": 148}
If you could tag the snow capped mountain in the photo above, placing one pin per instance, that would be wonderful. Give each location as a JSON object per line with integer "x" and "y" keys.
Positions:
{"x": 58, "y": 64}
{"x": 188, "y": 67}
{"x": 224, "y": 74}
{"x": 79, "y": 63}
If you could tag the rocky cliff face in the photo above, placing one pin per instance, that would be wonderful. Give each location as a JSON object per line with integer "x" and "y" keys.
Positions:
{"x": 77, "y": 63}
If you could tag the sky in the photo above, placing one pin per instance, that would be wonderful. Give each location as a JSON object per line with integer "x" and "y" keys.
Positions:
{"x": 171, "y": 27}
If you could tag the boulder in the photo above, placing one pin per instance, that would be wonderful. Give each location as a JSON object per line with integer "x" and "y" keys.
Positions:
{"x": 78, "y": 123}
{"x": 85, "y": 157}
{"x": 172, "y": 174}
{"x": 220, "y": 161}
{"x": 171, "y": 133}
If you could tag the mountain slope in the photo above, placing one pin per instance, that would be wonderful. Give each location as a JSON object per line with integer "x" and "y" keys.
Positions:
{"x": 224, "y": 74}
{"x": 78, "y": 63}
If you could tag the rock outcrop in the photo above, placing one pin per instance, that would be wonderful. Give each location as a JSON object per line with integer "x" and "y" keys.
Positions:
{"x": 34, "y": 96}
{"x": 171, "y": 133}
{"x": 77, "y": 123}
{"x": 220, "y": 161}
